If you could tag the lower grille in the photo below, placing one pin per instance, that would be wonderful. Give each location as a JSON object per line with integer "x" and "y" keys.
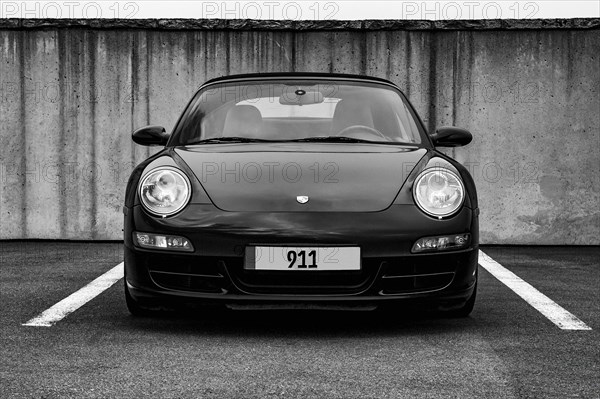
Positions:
{"x": 188, "y": 274}
{"x": 303, "y": 282}
{"x": 378, "y": 276}
{"x": 404, "y": 275}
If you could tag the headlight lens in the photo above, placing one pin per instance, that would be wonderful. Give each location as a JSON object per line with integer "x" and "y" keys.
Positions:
{"x": 439, "y": 192}
{"x": 164, "y": 191}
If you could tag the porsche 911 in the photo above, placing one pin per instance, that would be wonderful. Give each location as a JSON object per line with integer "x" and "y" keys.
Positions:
{"x": 301, "y": 189}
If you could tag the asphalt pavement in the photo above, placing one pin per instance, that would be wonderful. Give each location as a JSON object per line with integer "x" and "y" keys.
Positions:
{"x": 505, "y": 349}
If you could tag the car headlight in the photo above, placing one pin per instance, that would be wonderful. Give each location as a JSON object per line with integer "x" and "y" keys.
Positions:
{"x": 439, "y": 192}
{"x": 164, "y": 191}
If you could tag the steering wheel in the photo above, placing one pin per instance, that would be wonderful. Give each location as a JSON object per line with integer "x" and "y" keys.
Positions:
{"x": 356, "y": 131}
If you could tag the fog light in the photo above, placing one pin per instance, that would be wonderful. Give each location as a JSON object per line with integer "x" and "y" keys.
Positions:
{"x": 161, "y": 241}
{"x": 442, "y": 243}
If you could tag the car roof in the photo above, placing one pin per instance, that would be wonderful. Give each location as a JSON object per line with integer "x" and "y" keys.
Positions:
{"x": 309, "y": 75}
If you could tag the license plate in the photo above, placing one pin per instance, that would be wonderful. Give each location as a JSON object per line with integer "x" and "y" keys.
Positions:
{"x": 302, "y": 258}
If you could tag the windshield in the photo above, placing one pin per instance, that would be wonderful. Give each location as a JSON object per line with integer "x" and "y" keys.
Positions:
{"x": 298, "y": 110}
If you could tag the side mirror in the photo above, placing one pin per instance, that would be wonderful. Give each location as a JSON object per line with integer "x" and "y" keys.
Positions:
{"x": 450, "y": 136}
{"x": 151, "y": 135}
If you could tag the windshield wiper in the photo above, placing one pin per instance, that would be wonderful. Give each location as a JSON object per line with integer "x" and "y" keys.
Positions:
{"x": 218, "y": 140}
{"x": 345, "y": 139}
{"x": 334, "y": 139}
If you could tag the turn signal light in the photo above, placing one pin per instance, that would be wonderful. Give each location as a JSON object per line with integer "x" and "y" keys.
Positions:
{"x": 442, "y": 243}
{"x": 159, "y": 241}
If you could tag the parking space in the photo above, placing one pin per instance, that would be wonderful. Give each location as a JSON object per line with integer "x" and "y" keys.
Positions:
{"x": 568, "y": 275}
{"x": 505, "y": 349}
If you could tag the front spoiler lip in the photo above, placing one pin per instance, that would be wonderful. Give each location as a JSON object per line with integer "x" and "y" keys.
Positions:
{"x": 438, "y": 295}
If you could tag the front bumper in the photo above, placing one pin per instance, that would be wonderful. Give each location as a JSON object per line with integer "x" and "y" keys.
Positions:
{"x": 214, "y": 273}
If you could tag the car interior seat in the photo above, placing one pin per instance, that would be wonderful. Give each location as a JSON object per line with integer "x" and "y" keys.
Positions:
{"x": 351, "y": 112}
{"x": 243, "y": 121}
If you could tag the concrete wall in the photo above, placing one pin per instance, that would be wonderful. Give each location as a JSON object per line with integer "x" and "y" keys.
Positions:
{"x": 71, "y": 92}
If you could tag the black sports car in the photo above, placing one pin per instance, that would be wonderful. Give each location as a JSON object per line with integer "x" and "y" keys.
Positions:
{"x": 301, "y": 188}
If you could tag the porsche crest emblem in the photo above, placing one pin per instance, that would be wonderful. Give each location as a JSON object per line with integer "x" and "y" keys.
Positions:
{"x": 302, "y": 199}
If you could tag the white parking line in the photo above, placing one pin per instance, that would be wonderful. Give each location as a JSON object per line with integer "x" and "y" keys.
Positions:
{"x": 546, "y": 306}
{"x": 77, "y": 299}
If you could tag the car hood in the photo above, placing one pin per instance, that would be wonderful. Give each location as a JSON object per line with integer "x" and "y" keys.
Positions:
{"x": 273, "y": 177}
